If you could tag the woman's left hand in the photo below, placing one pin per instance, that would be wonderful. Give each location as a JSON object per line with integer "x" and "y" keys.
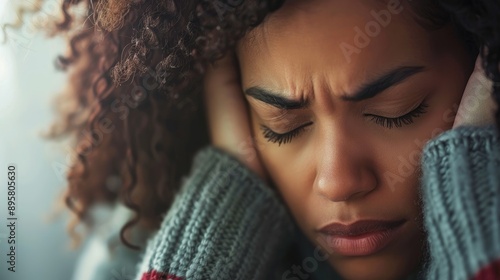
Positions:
{"x": 477, "y": 106}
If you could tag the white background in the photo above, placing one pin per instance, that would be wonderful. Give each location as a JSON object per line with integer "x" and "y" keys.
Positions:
{"x": 28, "y": 84}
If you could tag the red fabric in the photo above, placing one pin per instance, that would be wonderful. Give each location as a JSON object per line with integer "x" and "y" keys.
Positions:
{"x": 489, "y": 272}
{"x": 155, "y": 275}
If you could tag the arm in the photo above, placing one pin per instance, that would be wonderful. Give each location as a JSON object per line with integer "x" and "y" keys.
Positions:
{"x": 461, "y": 194}
{"x": 225, "y": 223}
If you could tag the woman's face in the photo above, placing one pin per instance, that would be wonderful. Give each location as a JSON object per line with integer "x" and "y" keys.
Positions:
{"x": 343, "y": 96}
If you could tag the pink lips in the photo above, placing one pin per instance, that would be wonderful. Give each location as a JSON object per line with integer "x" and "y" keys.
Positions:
{"x": 361, "y": 238}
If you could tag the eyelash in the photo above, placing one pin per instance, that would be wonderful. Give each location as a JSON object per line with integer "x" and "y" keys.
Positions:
{"x": 282, "y": 138}
{"x": 406, "y": 119}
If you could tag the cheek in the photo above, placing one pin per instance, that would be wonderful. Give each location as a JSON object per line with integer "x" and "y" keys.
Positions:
{"x": 289, "y": 176}
{"x": 398, "y": 163}
{"x": 399, "y": 152}
{"x": 399, "y": 157}
{"x": 287, "y": 169}
{"x": 289, "y": 180}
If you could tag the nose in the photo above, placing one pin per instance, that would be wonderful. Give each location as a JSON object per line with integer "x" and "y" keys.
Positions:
{"x": 343, "y": 170}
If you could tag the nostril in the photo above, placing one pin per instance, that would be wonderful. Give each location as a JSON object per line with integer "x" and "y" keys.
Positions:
{"x": 345, "y": 197}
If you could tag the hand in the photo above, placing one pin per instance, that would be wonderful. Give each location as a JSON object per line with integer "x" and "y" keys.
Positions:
{"x": 228, "y": 119}
{"x": 477, "y": 106}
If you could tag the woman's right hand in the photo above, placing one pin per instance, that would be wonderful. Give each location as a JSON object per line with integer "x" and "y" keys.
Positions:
{"x": 228, "y": 118}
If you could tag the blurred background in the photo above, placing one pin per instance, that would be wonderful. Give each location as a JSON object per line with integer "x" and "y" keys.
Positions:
{"x": 28, "y": 85}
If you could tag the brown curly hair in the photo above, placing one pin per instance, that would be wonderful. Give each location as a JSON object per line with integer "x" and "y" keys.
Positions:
{"x": 133, "y": 103}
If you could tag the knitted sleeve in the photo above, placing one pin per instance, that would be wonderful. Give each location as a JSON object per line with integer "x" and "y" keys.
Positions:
{"x": 461, "y": 194}
{"x": 225, "y": 223}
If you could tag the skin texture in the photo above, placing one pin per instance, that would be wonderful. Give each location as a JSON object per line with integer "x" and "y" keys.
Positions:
{"x": 344, "y": 166}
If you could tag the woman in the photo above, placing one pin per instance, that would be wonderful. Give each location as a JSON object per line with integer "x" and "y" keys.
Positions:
{"x": 339, "y": 127}
{"x": 331, "y": 175}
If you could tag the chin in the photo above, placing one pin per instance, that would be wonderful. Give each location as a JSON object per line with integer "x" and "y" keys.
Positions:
{"x": 378, "y": 268}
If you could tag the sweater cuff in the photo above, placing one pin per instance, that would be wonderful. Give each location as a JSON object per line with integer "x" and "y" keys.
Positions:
{"x": 225, "y": 223}
{"x": 461, "y": 194}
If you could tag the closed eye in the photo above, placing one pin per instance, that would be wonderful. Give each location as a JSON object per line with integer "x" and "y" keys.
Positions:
{"x": 405, "y": 119}
{"x": 282, "y": 138}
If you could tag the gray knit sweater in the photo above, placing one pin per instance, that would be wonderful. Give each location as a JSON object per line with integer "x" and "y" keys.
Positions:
{"x": 225, "y": 223}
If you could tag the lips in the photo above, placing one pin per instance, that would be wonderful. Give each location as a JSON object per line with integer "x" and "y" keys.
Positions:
{"x": 359, "y": 227}
{"x": 361, "y": 238}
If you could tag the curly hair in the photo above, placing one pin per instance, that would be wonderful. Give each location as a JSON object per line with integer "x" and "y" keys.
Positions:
{"x": 133, "y": 103}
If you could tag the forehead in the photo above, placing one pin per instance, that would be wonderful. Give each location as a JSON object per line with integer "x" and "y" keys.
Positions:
{"x": 339, "y": 41}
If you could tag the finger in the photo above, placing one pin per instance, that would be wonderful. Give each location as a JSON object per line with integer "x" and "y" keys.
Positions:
{"x": 224, "y": 105}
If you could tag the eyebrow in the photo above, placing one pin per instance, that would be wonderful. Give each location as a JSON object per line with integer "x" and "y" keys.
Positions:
{"x": 384, "y": 82}
{"x": 275, "y": 99}
{"x": 368, "y": 90}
